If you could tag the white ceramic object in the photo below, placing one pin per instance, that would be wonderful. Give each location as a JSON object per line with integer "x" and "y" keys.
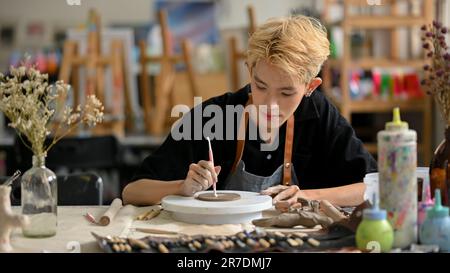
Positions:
{"x": 372, "y": 185}
{"x": 424, "y": 173}
{"x": 192, "y": 210}
{"x": 8, "y": 219}
{"x": 371, "y": 181}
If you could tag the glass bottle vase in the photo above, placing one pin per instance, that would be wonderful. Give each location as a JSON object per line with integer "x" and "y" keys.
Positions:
{"x": 440, "y": 169}
{"x": 39, "y": 199}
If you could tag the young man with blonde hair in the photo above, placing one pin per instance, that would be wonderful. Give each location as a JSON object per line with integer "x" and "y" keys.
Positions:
{"x": 314, "y": 151}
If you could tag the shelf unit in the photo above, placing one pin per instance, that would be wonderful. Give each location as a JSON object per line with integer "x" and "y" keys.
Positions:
{"x": 237, "y": 55}
{"x": 392, "y": 23}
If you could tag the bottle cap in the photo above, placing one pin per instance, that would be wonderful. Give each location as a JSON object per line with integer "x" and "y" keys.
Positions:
{"x": 396, "y": 123}
{"x": 437, "y": 210}
{"x": 374, "y": 213}
{"x": 426, "y": 199}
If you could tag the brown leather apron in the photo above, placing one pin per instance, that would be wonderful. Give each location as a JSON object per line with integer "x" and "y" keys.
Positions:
{"x": 239, "y": 179}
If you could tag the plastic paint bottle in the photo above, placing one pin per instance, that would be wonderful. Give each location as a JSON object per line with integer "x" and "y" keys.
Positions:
{"x": 436, "y": 228}
{"x": 374, "y": 231}
{"x": 397, "y": 162}
{"x": 424, "y": 205}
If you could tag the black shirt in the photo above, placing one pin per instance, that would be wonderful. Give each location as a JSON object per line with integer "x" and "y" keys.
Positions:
{"x": 326, "y": 152}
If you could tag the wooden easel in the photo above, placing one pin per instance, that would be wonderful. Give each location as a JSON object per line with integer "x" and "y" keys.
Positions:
{"x": 95, "y": 63}
{"x": 235, "y": 54}
{"x": 155, "y": 114}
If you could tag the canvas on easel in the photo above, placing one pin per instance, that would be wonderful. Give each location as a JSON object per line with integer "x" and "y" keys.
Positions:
{"x": 91, "y": 70}
{"x": 108, "y": 36}
{"x": 155, "y": 112}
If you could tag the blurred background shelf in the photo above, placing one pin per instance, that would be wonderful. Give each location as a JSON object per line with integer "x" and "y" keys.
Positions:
{"x": 368, "y": 63}
{"x": 378, "y": 22}
{"x": 380, "y": 105}
{"x": 338, "y": 72}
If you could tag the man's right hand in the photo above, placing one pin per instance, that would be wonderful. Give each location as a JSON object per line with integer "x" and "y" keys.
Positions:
{"x": 200, "y": 177}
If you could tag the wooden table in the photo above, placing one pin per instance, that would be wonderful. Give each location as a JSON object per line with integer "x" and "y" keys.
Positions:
{"x": 74, "y": 231}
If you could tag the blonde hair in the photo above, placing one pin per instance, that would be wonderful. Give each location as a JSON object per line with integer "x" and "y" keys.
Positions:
{"x": 298, "y": 45}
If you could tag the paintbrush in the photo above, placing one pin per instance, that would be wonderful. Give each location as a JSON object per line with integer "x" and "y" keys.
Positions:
{"x": 157, "y": 231}
{"x": 211, "y": 158}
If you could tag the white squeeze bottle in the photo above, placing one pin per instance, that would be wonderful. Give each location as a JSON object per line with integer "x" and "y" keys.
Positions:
{"x": 397, "y": 163}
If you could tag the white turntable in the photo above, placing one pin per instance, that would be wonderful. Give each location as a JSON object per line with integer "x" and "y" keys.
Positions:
{"x": 242, "y": 210}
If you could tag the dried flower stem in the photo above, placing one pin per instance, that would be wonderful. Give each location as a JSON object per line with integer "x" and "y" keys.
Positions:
{"x": 437, "y": 79}
{"x": 27, "y": 100}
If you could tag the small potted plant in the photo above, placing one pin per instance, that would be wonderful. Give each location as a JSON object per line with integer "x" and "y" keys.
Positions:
{"x": 437, "y": 84}
{"x": 31, "y": 104}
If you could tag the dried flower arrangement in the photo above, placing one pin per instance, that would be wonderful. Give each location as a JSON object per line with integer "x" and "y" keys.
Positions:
{"x": 30, "y": 103}
{"x": 437, "y": 81}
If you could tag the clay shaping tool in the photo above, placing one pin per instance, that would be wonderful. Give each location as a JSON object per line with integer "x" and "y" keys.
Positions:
{"x": 211, "y": 158}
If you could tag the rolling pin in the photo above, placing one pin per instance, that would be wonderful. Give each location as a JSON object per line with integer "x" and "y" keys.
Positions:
{"x": 109, "y": 215}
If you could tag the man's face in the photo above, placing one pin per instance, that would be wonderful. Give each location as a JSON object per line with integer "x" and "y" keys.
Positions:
{"x": 275, "y": 93}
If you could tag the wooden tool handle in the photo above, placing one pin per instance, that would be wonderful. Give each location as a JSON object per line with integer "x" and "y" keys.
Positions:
{"x": 331, "y": 211}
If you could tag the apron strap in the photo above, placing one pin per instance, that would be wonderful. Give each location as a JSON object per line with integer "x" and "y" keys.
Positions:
{"x": 241, "y": 135}
{"x": 288, "y": 143}
{"x": 287, "y": 165}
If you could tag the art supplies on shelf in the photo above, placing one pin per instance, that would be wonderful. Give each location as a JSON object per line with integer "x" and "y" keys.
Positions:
{"x": 385, "y": 84}
{"x": 47, "y": 60}
{"x": 391, "y": 61}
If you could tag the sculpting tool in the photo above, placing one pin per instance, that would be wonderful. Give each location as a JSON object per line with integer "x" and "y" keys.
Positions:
{"x": 149, "y": 214}
{"x": 211, "y": 158}
{"x": 12, "y": 178}
{"x": 90, "y": 218}
{"x": 158, "y": 231}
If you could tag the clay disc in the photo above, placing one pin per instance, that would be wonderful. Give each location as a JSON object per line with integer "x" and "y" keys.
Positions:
{"x": 220, "y": 196}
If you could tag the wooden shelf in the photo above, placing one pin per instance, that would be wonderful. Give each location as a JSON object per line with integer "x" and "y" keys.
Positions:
{"x": 391, "y": 21}
{"x": 379, "y": 22}
{"x": 379, "y": 105}
{"x": 369, "y": 63}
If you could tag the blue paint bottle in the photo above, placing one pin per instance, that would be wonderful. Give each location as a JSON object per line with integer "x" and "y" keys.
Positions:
{"x": 436, "y": 228}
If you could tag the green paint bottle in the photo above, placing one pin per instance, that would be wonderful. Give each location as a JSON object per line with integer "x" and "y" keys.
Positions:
{"x": 374, "y": 233}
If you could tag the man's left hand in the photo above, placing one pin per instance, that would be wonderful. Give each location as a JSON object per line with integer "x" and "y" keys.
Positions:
{"x": 285, "y": 197}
